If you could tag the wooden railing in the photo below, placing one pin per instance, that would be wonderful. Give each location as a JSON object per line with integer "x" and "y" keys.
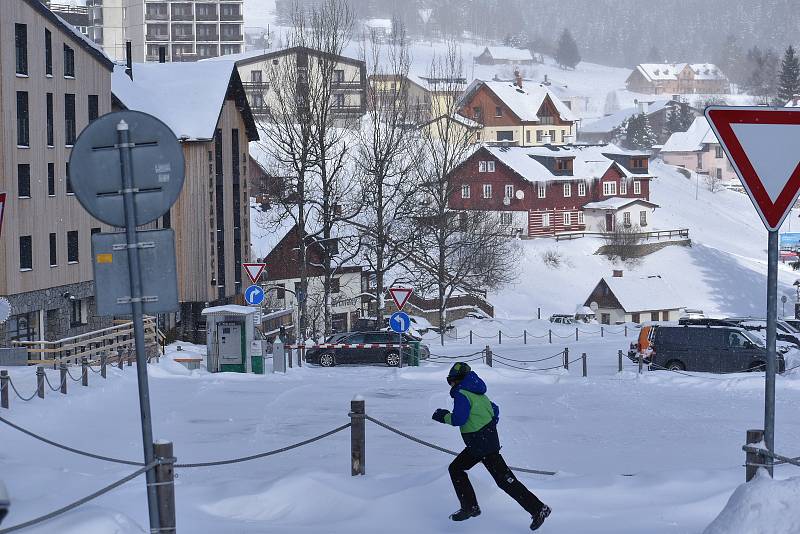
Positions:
{"x": 681, "y": 232}
{"x": 114, "y": 340}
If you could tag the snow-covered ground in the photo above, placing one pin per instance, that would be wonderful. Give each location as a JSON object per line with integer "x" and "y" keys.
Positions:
{"x": 658, "y": 453}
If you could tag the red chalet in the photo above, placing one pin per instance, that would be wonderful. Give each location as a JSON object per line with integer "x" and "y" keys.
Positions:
{"x": 545, "y": 190}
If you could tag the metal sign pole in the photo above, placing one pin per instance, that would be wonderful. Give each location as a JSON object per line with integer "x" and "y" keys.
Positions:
{"x": 124, "y": 145}
{"x": 772, "y": 319}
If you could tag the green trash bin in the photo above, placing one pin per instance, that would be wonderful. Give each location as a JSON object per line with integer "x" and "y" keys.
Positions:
{"x": 257, "y": 363}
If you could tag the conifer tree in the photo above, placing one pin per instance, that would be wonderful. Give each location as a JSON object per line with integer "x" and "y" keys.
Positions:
{"x": 789, "y": 82}
{"x": 567, "y": 54}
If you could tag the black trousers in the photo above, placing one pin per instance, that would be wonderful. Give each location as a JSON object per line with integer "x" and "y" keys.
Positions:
{"x": 501, "y": 474}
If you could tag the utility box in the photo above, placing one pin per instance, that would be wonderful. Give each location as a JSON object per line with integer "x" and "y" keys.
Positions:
{"x": 231, "y": 340}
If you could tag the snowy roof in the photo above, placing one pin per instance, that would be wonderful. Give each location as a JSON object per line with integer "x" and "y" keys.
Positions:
{"x": 230, "y": 309}
{"x": 617, "y": 203}
{"x": 609, "y": 122}
{"x": 385, "y": 24}
{"x": 693, "y": 139}
{"x": 267, "y": 229}
{"x": 187, "y": 96}
{"x": 255, "y": 56}
{"x": 524, "y": 102}
{"x": 509, "y": 53}
{"x": 588, "y": 161}
{"x": 670, "y": 71}
{"x": 644, "y": 293}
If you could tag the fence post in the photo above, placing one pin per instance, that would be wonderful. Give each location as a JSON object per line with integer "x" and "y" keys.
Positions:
{"x": 640, "y": 363}
{"x": 103, "y": 359}
{"x": 576, "y": 333}
{"x": 538, "y": 313}
{"x": 753, "y": 460}
{"x": 626, "y": 330}
{"x": 165, "y": 490}
{"x": 119, "y": 358}
{"x": 290, "y": 356}
{"x": 4, "y": 388}
{"x": 84, "y": 371}
{"x": 583, "y": 357}
{"x": 619, "y": 355}
{"x": 499, "y": 337}
{"x": 488, "y": 355}
{"x": 550, "y": 335}
{"x": 524, "y": 337}
{"x": 357, "y": 437}
{"x": 40, "y": 382}
{"x": 63, "y": 374}
{"x": 470, "y": 337}
{"x": 566, "y": 358}
{"x": 601, "y": 331}
{"x": 130, "y": 358}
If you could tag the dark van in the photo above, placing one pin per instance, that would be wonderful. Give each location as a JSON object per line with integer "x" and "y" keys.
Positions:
{"x": 711, "y": 349}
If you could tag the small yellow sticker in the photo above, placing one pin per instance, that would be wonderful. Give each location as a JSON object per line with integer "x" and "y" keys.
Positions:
{"x": 105, "y": 258}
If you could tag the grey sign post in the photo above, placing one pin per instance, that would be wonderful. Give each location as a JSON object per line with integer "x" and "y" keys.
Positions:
{"x": 127, "y": 169}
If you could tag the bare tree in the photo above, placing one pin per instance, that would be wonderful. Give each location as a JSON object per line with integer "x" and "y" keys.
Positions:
{"x": 714, "y": 183}
{"x": 467, "y": 251}
{"x": 387, "y": 156}
{"x": 622, "y": 242}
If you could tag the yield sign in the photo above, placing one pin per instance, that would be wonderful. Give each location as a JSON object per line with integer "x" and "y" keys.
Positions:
{"x": 254, "y": 270}
{"x": 400, "y": 295}
{"x": 763, "y": 145}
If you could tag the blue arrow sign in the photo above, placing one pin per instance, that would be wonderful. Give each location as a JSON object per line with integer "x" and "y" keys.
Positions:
{"x": 254, "y": 295}
{"x": 400, "y": 322}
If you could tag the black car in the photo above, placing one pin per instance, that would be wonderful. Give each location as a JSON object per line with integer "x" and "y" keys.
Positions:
{"x": 353, "y": 353}
{"x": 713, "y": 349}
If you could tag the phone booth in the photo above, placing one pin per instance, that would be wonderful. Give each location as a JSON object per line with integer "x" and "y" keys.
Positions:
{"x": 232, "y": 345}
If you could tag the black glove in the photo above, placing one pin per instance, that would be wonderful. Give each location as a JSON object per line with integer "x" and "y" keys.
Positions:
{"x": 439, "y": 414}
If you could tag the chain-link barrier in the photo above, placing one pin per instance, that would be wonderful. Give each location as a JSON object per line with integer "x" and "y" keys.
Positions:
{"x": 58, "y": 387}
{"x": 72, "y": 377}
{"x": 536, "y": 369}
{"x": 442, "y": 356}
{"x": 79, "y": 502}
{"x": 13, "y": 387}
{"x": 447, "y": 451}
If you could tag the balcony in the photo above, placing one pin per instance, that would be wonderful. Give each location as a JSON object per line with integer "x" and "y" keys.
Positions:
{"x": 233, "y": 17}
{"x": 156, "y": 15}
{"x": 182, "y": 16}
{"x": 236, "y": 38}
{"x": 200, "y": 15}
{"x": 181, "y": 37}
{"x": 157, "y": 37}
{"x": 346, "y": 86}
{"x": 205, "y": 37}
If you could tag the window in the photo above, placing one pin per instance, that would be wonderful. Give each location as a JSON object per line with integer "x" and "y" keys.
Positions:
{"x": 72, "y": 247}
{"x": 623, "y": 187}
{"x": 465, "y": 191}
{"x": 23, "y": 327}
{"x": 562, "y": 165}
{"x": 338, "y": 100}
{"x": 567, "y": 190}
{"x": 51, "y": 179}
{"x": 642, "y": 218}
{"x": 21, "y": 45}
{"x": 275, "y": 61}
{"x": 527, "y": 136}
{"x": 545, "y": 220}
{"x": 637, "y": 163}
{"x": 567, "y": 218}
{"x": 335, "y": 285}
{"x": 476, "y": 113}
{"x": 654, "y": 316}
{"x": 490, "y": 166}
{"x": 552, "y": 136}
{"x": 609, "y": 189}
{"x": 541, "y": 190}
{"x": 280, "y": 293}
{"x": 581, "y": 189}
{"x": 256, "y": 76}
{"x": 509, "y": 191}
{"x": 487, "y": 190}
{"x": 25, "y": 253}
{"x": 699, "y": 161}
{"x": 24, "y": 180}
{"x": 718, "y": 174}
{"x": 498, "y": 111}
{"x": 69, "y": 62}
{"x": 506, "y": 218}
{"x": 23, "y": 120}
{"x": 338, "y": 76}
{"x": 539, "y": 136}
{"x": 505, "y": 135}
{"x": 481, "y": 166}
{"x": 626, "y": 218}
{"x": 67, "y": 181}
{"x": 718, "y": 153}
{"x": 94, "y": 107}
{"x": 48, "y": 53}
{"x": 50, "y": 119}
{"x": 580, "y": 218}
{"x": 53, "y": 251}
{"x": 77, "y": 316}
{"x": 635, "y": 317}
{"x": 69, "y": 119}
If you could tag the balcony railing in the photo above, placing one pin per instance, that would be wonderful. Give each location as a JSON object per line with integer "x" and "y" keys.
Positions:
{"x": 206, "y": 16}
{"x": 231, "y": 38}
{"x": 176, "y": 17}
{"x": 347, "y": 110}
{"x": 235, "y": 17}
{"x": 207, "y": 38}
{"x": 157, "y": 37}
{"x": 153, "y": 15}
{"x": 346, "y": 85}
{"x": 182, "y": 37}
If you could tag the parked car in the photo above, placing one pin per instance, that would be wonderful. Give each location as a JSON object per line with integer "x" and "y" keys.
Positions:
{"x": 794, "y": 323}
{"x": 5, "y": 502}
{"x": 713, "y": 349}
{"x": 328, "y": 357}
{"x": 785, "y": 332}
{"x": 562, "y": 318}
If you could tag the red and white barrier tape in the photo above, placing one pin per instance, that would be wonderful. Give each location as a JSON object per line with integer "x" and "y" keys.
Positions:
{"x": 346, "y": 346}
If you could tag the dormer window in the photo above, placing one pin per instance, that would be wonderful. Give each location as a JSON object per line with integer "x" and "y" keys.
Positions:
{"x": 562, "y": 165}
{"x": 637, "y": 163}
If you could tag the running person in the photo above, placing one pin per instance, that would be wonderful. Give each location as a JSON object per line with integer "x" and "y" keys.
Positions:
{"x": 477, "y": 416}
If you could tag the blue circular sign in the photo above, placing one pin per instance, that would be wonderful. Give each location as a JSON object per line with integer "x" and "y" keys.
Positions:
{"x": 254, "y": 295}
{"x": 400, "y": 322}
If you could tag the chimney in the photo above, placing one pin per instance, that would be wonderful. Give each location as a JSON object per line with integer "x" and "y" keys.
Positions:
{"x": 517, "y": 78}
{"x": 546, "y": 81}
{"x": 129, "y": 60}
{"x": 569, "y": 139}
{"x": 162, "y": 54}
{"x": 617, "y": 273}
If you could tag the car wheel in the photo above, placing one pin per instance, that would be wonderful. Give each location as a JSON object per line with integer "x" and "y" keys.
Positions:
{"x": 757, "y": 366}
{"x": 676, "y": 365}
{"x": 393, "y": 359}
{"x": 327, "y": 360}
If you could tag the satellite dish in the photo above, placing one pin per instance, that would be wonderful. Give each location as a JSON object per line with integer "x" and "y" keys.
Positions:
{"x": 520, "y": 194}
{"x": 5, "y": 309}
{"x": 594, "y": 306}
{"x": 506, "y": 201}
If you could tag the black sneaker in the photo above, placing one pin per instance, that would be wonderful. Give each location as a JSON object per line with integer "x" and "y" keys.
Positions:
{"x": 463, "y": 515}
{"x": 544, "y": 513}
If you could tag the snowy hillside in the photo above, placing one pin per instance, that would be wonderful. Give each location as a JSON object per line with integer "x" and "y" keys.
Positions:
{"x": 723, "y": 272}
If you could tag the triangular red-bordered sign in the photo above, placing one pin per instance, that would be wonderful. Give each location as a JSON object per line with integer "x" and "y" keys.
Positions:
{"x": 254, "y": 270}
{"x": 763, "y": 146}
{"x": 400, "y": 295}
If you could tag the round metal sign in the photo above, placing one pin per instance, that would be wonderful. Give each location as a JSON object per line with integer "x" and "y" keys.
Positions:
{"x": 95, "y": 167}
